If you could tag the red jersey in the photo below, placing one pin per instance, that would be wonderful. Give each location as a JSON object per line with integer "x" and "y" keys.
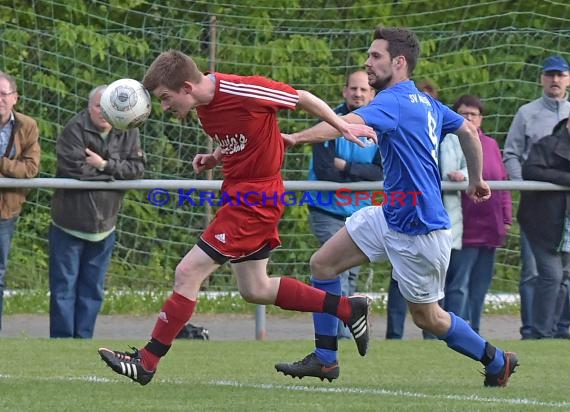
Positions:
{"x": 242, "y": 119}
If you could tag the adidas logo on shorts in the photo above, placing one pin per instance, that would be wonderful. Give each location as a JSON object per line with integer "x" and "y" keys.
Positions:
{"x": 221, "y": 237}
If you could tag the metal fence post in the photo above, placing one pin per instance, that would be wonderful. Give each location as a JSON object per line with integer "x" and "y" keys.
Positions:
{"x": 260, "y": 331}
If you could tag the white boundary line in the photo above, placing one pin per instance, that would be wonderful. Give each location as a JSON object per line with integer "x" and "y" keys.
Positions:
{"x": 313, "y": 389}
{"x": 395, "y": 393}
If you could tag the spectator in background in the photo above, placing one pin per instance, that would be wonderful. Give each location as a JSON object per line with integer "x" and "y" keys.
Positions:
{"x": 485, "y": 226}
{"x": 533, "y": 121}
{"x": 429, "y": 87}
{"x": 82, "y": 233}
{"x": 342, "y": 161}
{"x": 545, "y": 219}
{"x": 20, "y": 158}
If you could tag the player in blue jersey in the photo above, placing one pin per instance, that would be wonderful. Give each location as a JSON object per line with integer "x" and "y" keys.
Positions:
{"x": 410, "y": 230}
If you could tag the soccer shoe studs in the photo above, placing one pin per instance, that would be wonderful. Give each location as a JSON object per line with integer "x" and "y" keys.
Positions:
{"x": 310, "y": 365}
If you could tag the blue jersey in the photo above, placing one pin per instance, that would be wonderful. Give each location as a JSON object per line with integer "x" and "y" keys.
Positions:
{"x": 409, "y": 125}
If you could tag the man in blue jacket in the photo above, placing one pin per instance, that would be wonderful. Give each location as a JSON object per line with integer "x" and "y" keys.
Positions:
{"x": 342, "y": 161}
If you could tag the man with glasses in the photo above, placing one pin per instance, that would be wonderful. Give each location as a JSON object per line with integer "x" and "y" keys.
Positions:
{"x": 19, "y": 158}
{"x": 533, "y": 121}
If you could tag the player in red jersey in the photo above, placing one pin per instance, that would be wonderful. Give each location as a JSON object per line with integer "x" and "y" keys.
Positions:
{"x": 240, "y": 114}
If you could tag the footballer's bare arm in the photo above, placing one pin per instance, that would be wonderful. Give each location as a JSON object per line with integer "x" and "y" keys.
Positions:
{"x": 350, "y": 126}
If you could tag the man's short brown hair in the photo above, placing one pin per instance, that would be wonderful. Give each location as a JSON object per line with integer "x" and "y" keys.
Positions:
{"x": 171, "y": 69}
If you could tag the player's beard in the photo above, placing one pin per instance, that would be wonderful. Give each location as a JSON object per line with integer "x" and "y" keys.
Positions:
{"x": 380, "y": 83}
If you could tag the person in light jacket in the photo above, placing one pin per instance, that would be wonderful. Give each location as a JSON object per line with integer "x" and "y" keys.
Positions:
{"x": 485, "y": 227}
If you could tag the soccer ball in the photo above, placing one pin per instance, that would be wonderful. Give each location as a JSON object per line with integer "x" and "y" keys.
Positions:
{"x": 125, "y": 104}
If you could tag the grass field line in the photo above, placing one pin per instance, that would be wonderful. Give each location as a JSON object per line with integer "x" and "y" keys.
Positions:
{"x": 395, "y": 393}
{"x": 305, "y": 388}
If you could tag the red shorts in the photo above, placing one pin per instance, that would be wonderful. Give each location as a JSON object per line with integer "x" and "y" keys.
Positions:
{"x": 249, "y": 220}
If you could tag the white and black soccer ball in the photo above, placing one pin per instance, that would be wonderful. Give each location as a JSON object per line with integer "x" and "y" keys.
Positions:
{"x": 125, "y": 104}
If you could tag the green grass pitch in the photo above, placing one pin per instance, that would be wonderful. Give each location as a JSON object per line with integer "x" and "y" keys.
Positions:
{"x": 68, "y": 375}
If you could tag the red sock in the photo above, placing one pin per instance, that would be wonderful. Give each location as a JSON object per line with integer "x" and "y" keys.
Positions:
{"x": 296, "y": 295}
{"x": 175, "y": 312}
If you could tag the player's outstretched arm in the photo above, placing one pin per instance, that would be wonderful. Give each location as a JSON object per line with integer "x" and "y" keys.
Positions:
{"x": 350, "y": 126}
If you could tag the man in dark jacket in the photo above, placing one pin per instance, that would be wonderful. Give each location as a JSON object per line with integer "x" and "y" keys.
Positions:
{"x": 82, "y": 233}
{"x": 545, "y": 219}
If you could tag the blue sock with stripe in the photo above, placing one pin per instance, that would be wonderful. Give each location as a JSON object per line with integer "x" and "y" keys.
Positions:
{"x": 326, "y": 326}
{"x": 461, "y": 338}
